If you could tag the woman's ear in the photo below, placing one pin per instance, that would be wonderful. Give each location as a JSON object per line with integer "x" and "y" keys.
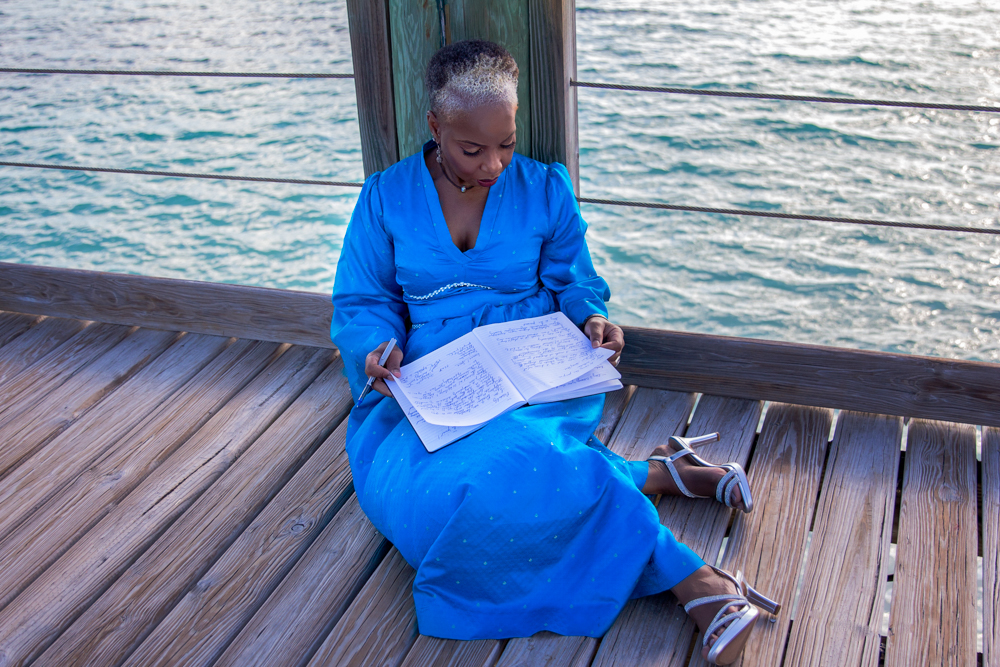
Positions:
{"x": 434, "y": 125}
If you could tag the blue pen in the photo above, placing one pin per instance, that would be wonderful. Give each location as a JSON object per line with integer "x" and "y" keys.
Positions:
{"x": 381, "y": 362}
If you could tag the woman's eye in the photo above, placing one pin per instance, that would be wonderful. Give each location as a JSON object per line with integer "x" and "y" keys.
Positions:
{"x": 473, "y": 153}
{"x": 508, "y": 146}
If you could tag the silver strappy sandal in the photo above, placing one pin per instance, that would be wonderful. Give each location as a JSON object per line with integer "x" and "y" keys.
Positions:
{"x": 734, "y": 478}
{"x": 736, "y": 625}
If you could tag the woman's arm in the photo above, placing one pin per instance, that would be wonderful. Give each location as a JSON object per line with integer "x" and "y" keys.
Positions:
{"x": 368, "y": 307}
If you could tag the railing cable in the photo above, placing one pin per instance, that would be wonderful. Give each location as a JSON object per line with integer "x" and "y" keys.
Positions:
{"x": 792, "y": 98}
{"x": 252, "y": 75}
{"x": 582, "y": 200}
{"x": 788, "y": 216}
{"x": 181, "y": 174}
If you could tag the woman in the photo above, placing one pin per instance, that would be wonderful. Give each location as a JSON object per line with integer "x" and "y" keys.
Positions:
{"x": 528, "y": 524}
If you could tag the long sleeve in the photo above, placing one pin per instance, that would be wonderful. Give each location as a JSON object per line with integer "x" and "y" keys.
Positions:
{"x": 368, "y": 306}
{"x": 565, "y": 266}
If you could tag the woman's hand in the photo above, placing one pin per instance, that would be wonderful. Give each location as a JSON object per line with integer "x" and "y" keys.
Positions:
{"x": 603, "y": 333}
{"x": 381, "y": 374}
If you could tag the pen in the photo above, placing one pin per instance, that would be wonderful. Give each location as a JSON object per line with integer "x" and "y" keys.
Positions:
{"x": 381, "y": 362}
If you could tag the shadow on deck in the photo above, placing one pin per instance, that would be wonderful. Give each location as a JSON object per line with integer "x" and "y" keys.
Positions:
{"x": 185, "y": 499}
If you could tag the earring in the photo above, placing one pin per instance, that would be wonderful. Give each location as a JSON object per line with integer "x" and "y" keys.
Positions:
{"x": 439, "y": 154}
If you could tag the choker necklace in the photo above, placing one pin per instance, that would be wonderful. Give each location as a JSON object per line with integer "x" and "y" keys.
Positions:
{"x": 440, "y": 162}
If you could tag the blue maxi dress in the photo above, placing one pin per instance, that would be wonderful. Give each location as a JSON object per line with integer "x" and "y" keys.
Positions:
{"x": 530, "y": 523}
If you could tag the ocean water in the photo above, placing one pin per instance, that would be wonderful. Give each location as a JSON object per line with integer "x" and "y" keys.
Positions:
{"x": 907, "y": 291}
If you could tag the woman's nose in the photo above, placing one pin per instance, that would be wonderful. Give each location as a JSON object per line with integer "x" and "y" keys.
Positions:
{"x": 494, "y": 165}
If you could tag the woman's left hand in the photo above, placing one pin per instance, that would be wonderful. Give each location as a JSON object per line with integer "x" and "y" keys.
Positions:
{"x": 603, "y": 333}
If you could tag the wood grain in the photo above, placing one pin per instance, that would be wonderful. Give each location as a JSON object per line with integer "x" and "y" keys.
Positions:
{"x": 88, "y": 496}
{"x": 54, "y": 600}
{"x": 292, "y": 624}
{"x": 415, "y": 34}
{"x": 840, "y": 608}
{"x": 380, "y": 625}
{"x": 368, "y": 22}
{"x": 991, "y": 547}
{"x": 450, "y": 653}
{"x": 13, "y": 325}
{"x": 216, "y": 608}
{"x": 933, "y": 615}
{"x": 769, "y": 544}
{"x": 26, "y": 433}
{"x": 653, "y": 629}
{"x": 35, "y": 344}
{"x": 280, "y": 316}
{"x": 877, "y": 382}
{"x": 614, "y": 407}
{"x": 549, "y": 650}
{"x": 552, "y": 65}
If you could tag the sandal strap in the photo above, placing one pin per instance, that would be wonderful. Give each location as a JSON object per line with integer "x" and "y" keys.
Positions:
{"x": 668, "y": 461}
{"x": 723, "y": 619}
{"x": 710, "y": 599}
{"x": 724, "y": 489}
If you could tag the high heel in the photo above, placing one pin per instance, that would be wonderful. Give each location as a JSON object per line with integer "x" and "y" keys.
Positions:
{"x": 736, "y": 626}
{"x": 735, "y": 477}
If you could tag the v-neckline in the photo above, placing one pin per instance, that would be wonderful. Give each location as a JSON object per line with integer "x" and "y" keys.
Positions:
{"x": 486, "y": 223}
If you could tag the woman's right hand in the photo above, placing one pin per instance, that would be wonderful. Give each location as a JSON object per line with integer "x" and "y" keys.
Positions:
{"x": 391, "y": 369}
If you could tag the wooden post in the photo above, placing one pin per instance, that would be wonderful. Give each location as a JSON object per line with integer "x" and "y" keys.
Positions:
{"x": 369, "y": 27}
{"x": 540, "y": 34}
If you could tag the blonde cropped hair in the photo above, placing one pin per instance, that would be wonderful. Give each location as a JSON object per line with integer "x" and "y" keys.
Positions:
{"x": 470, "y": 73}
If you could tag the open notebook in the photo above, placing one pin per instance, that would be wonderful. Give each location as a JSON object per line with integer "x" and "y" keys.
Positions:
{"x": 495, "y": 368}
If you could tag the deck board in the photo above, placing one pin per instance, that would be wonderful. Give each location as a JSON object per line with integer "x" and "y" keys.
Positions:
{"x": 89, "y": 496}
{"x": 217, "y": 606}
{"x": 13, "y": 325}
{"x": 991, "y": 546}
{"x": 840, "y": 610}
{"x": 56, "y": 599}
{"x": 654, "y": 629}
{"x": 295, "y": 620}
{"x": 34, "y": 344}
{"x": 933, "y": 615}
{"x": 768, "y": 544}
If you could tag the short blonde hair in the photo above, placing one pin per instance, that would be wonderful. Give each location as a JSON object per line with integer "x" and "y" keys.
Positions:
{"x": 470, "y": 73}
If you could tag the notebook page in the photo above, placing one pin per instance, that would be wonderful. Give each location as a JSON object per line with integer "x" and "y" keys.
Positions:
{"x": 599, "y": 380}
{"x": 458, "y": 385}
{"x": 433, "y": 436}
{"x": 539, "y": 353}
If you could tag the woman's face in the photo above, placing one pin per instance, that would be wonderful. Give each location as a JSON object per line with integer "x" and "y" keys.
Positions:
{"x": 478, "y": 144}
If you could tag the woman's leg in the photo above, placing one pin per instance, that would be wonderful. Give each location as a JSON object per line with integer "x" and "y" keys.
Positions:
{"x": 700, "y": 480}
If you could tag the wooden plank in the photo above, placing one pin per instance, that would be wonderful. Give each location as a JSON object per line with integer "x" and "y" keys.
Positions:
{"x": 257, "y": 313}
{"x": 291, "y": 625}
{"x": 26, "y": 433}
{"x": 549, "y": 650}
{"x": 933, "y": 615}
{"x": 552, "y": 65}
{"x": 35, "y": 344}
{"x": 89, "y": 496}
{"x": 368, "y": 21}
{"x": 840, "y": 607}
{"x": 380, "y": 626}
{"x": 830, "y": 377}
{"x": 415, "y": 34}
{"x": 216, "y": 608}
{"x": 450, "y": 653}
{"x": 614, "y": 407}
{"x": 13, "y": 325}
{"x": 991, "y": 546}
{"x": 654, "y": 629}
{"x": 506, "y": 23}
{"x": 24, "y": 390}
{"x": 768, "y": 545}
{"x": 55, "y": 599}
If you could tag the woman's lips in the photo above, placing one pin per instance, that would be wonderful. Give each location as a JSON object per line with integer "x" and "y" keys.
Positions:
{"x": 487, "y": 184}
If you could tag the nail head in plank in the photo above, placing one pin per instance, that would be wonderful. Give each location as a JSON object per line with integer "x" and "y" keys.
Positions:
{"x": 291, "y": 625}
{"x": 654, "y": 629}
{"x": 216, "y": 608}
{"x": 35, "y": 344}
{"x": 840, "y": 608}
{"x": 768, "y": 544}
{"x": 76, "y": 508}
{"x": 85, "y": 571}
{"x": 933, "y": 615}
{"x": 991, "y": 546}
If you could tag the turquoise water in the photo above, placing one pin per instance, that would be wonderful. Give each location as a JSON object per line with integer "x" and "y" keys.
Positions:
{"x": 873, "y": 288}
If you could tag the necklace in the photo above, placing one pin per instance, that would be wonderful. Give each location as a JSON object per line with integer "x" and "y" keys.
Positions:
{"x": 445, "y": 172}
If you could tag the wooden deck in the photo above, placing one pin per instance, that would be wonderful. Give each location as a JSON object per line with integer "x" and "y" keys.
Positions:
{"x": 185, "y": 499}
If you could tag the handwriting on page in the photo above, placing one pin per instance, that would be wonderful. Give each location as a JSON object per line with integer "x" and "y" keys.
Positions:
{"x": 458, "y": 385}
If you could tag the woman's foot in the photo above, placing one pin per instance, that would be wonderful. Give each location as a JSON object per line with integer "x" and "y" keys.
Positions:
{"x": 700, "y": 480}
{"x": 718, "y": 603}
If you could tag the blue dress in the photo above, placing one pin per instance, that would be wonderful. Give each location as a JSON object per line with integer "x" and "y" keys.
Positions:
{"x": 530, "y": 523}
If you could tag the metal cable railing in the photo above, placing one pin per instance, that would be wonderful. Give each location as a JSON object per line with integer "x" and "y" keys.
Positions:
{"x": 115, "y": 72}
